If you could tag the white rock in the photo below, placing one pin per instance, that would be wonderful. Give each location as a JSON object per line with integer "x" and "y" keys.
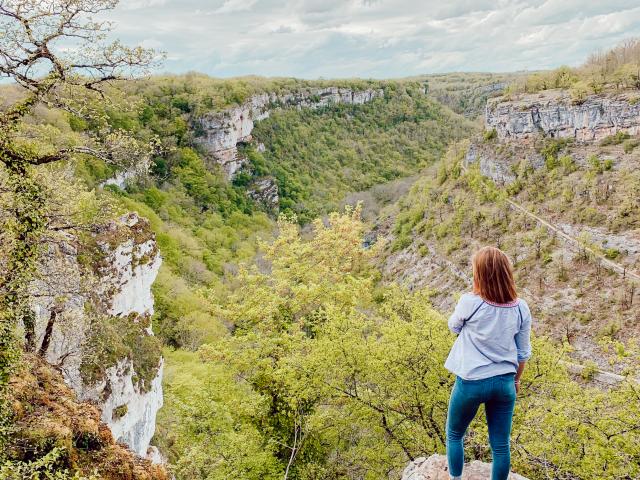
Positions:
{"x": 136, "y": 426}
{"x": 62, "y": 291}
{"x": 554, "y": 115}
{"x": 435, "y": 468}
{"x": 133, "y": 279}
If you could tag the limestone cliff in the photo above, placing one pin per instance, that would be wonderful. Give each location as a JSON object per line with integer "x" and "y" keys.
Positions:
{"x": 553, "y": 114}
{"x": 435, "y": 468}
{"x": 221, "y": 132}
{"x": 93, "y": 303}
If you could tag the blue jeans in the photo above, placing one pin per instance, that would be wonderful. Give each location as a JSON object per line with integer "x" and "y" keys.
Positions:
{"x": 499, "y": 397}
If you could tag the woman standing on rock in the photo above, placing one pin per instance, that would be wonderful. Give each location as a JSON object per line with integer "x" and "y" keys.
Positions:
{"x": 488, "y": 357}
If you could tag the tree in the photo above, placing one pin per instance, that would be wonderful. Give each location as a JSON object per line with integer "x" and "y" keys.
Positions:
{"x": 59, "y": 57}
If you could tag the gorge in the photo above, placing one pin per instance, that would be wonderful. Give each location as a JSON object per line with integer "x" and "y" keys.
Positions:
{"x": 259, "y": 289}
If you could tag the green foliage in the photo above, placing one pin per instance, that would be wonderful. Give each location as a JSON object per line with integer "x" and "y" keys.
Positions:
{"x": 618, "y": 68}
{"x": 579, "y": 91}
{"x": 114, "y": 338}
{"x": 567, "y": 164}
{"x": 489, "y": 135}
{"x": 319, "y": 156}
{"x": 44, "y": 468}
{"x": 208, "y": 425}
{"x": 630, "y": 145}
{"x": 562, "y": 77}
{"x": 616, "y": 139}
{"x": 349, "y": 379}
{"x": 551, "y": 149}
{"x": 611, "y": 253}
{"x": 120, "y": 411}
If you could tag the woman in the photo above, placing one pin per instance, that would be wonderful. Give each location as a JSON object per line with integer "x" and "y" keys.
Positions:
{"x": 488, "y": 357}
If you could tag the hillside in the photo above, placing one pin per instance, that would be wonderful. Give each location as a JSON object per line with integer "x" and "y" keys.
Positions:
{"x": 558, "y": 193}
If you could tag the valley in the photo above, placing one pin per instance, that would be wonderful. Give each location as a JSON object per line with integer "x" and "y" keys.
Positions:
{"x": 254, "y": 281}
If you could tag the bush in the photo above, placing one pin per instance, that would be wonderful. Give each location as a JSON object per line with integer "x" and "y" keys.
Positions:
{"x": 630, "y": 145}
{"x": 612, "y": 253}
{"x": 490, "y": 134}
{"x": 616, "y": 139}
{"x": 47, "y": 467}
{"x": 579, "y": 91}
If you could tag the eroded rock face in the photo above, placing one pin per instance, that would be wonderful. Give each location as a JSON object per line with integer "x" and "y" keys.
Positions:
{"x": 223, "y": 131}
{"x": 435, "y": 468}
{"x": 131, "y": 174}
{"x": 499, "y": 172}
{"x": 76, "y": 288}
{"x": 265, "y": 191}
{"x": 553, "y": 114}
{"x": 129, "y": 411}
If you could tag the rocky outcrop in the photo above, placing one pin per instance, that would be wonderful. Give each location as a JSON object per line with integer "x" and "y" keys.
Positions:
{"x": 129, "y": 411}
{"x": 435, "y": 468}
{"x": 553, "y": 114}
{"x": 131, "y": 174}
{"x": 265, "y": 191}
{"x": 499, "y": 172}
{"x": 81, "y": 289}
{"x": 221, "y": 132}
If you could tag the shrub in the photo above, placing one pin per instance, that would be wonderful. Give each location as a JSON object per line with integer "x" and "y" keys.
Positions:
{"x": 630, "y": 145}
{"x": 616, "y": 139}
{"x": 579, "y": 91}
{"x": 595, "y": 164}
{"x": 567, "y": 163}
{"x": 612, "y": 253}
{"x": 489, "y": 135}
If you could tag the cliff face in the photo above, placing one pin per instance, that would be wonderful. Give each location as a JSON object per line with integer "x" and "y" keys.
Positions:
{"x": 221, "y": 132}
{"x": 93, "y": 303}
{"x": 553, "y": 114}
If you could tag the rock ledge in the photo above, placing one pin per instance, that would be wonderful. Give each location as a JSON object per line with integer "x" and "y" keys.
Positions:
{"x": 435, "y": 468}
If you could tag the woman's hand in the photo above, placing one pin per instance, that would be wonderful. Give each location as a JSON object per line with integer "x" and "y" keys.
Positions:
{"x": 517, "y": 382}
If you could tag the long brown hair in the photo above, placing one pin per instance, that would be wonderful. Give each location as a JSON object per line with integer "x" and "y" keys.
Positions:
{"x": 493, "y": 276}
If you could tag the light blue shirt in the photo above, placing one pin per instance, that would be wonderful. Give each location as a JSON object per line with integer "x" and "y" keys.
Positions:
{"x": 492, "y": 338}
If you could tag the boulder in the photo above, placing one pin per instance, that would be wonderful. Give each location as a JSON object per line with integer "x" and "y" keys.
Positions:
{"x": 435, "y": 468}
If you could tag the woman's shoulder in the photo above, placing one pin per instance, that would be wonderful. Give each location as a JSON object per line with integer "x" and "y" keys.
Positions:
{"x": 524, "y": 306}
{"x": 470, "y": 299}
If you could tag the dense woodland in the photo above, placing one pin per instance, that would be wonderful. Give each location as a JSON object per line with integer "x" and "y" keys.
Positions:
{"x": 288, "y": 355}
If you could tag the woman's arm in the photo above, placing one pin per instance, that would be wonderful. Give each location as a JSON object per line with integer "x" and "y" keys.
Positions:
{"x": 523, "y": 341}
{"x": 519, "y": 374}
{"x": 456, "y": 320}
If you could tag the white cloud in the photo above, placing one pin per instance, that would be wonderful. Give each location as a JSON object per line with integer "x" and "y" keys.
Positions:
{"x": 139, "y": 4}
{"x": 379, "y": 38}
{"x": 231, "y": 6}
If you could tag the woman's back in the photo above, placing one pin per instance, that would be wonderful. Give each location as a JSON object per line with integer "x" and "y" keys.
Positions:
{"x": 493, "y": 338}
{"x": 488, "y": 357}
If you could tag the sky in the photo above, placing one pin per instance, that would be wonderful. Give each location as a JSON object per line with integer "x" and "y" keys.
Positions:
{"x": 372, "y": 38}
